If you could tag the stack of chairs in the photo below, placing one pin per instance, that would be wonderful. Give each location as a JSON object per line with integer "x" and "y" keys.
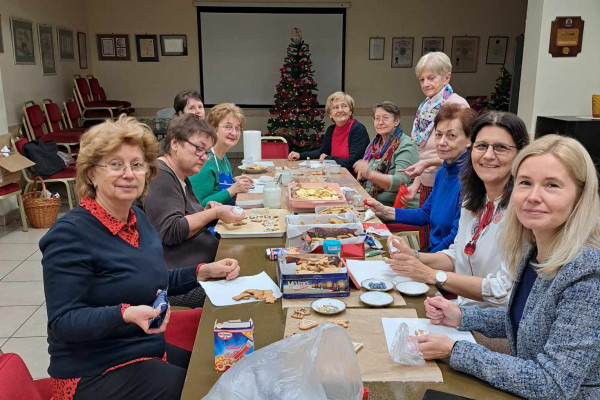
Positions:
{"x": 90, "y": 109}
{"x": 99, "y": 94}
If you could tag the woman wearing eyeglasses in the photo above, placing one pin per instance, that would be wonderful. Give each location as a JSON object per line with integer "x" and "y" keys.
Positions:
{"x": 215, "y": 182}
{"x": 345, "y": 141}
{"x": 390, "y": 151}
{"x": 172, "y": 206}
{"x": 472, "y": 266}
{"x": 103, "y": 265}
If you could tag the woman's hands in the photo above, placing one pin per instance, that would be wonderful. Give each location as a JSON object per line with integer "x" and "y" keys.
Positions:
{"x": 362, "y": 167}
{"x": 385, "y": 212}
{"x": 226, "y": 214}
{"x": 435, "y": 346}
{"x": 411, "y": 192}
{"x": 442, "y": 311}
{"x": 293, "y": 156}
{"x": 141, "y": 316}
{"x": 227, "y": 268}
{"x": 404, "y": 262}
{"x": 416, "y": 169}
{"x": 244, "y": 179}
{"x": 240, "y": 186}
{"x": 322, "y": 157}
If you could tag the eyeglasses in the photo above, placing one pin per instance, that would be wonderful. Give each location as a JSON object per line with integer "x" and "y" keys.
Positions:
{"x": 117, "y": 167}
{"x": 340, "y": 107}
{"x": 385, "y": 119}
{"x": 230, "y": 128}
{"x": 499, "y": 148}
{"x": 200, "y": 152}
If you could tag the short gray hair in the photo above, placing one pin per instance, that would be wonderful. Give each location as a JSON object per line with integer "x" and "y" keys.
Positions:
{"x": 436, "y": 61}
{"x": 388, "y": 106}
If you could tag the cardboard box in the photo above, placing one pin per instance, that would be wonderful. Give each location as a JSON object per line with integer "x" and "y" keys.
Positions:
{"x": 297, "y": 286}
{"x": 11, "y": 166}
{"x": 233, "y": 339}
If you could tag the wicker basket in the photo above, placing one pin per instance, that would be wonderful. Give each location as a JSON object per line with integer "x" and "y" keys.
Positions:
{"x": 40, "y": 209}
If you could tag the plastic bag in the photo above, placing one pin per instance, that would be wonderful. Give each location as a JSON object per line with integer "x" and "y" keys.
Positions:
{"x": 405, "y": 348}
{"x": 319, "y": 364}
{"x": 66, "y": 158}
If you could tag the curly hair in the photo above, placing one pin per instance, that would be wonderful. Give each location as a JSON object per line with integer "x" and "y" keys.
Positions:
{"x": 107, "y": 137}
{"x": 223, "y": 110}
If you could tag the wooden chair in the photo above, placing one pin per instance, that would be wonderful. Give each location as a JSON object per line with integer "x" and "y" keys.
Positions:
{"x": 14, "y": 189}
{"x": 411, "y": 238}
{"x": 274, "y": 147}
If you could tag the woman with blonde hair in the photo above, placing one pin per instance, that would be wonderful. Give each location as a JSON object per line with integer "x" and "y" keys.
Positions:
{"x": 215, "y": 181}
{"x": 345, "y": 141}
{"x": 551, "y": 243}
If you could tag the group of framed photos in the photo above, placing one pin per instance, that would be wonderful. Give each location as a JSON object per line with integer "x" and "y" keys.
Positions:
{"x": 464, "y": 54}
{"x": 23, "y": 47}
{"x": 113, "y": 47}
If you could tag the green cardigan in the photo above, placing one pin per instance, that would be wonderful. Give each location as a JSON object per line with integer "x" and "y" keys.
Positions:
{"x": 405, "y": 155}
{"x": 206, "y": 182}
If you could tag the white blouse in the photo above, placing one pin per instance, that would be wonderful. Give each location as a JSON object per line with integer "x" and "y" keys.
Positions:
{"x": 486, "y": 262}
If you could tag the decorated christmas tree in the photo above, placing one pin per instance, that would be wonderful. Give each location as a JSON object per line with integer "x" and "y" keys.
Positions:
{"x": 500, "y": 99}
{"x": 295, "y": 115}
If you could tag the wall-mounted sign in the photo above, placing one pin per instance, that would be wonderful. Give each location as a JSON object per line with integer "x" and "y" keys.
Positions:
{"x": 566, "y": 35}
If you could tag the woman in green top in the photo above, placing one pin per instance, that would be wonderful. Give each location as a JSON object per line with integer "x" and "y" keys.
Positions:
{"x": 215, "y": 182}
{"x": 380, "y": 171}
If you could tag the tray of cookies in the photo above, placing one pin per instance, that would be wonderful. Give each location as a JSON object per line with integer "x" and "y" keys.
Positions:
{"x": 312, "y": 275}
{"x": 259, "y": 222}
{"x": 310, "y": 195}
{"x": 298, "y": 224}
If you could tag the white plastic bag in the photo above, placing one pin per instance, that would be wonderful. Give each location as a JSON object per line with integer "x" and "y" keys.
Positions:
{"x": 405, "y": 348}
{"x": 319, "y": 364}
{"x": 66, "y": 158}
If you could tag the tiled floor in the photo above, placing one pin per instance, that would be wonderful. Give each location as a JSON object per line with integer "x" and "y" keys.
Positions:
{"x": 22, "y": 305}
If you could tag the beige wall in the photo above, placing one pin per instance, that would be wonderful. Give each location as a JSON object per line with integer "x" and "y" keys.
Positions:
{"x": 26, "y": 82}
{"x": 555, "y": 86}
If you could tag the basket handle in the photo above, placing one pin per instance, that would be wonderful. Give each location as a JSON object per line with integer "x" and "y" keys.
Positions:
{"x": 34, "y": 186}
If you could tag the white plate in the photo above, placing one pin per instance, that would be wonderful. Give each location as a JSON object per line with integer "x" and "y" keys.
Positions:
{"x": 336, "y": 306}
{"x": 376, "y": 299}
{"x": 252, "y": 171}
{"x": 388, "y": 285}
{"x": 412, "y": 288}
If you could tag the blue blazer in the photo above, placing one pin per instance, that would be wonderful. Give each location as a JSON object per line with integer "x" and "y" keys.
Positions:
{"x": 555, "y": 350}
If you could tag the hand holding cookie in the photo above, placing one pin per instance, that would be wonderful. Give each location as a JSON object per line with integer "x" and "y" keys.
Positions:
{"x": 227, "y": 268}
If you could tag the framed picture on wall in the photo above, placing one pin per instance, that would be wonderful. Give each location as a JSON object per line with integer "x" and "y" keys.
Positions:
{"x": 82, "y": 47}
{"x": 1, "y": 37}
{"x": 402, "y": 52}
{"x": 147, "y": 47}
{"x": 376, "y": 48}
{"x": 113, "y": 47}
{"x": 22, "y": 37}
{"x": 496, "y": 50}
{"x": 46, "y": 40}
{"x": 173, "y": 45}
{"x": 66, "y": 46}
{"x": 432, "y": 44}
{"x": 465, "y": 50}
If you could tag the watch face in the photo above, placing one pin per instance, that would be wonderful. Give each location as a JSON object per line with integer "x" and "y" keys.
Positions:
{"x": 441, "y": 277}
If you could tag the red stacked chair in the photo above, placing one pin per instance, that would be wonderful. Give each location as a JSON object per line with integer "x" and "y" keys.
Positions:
{"x": 99, "y": 94}
{"x": 34, "y": 121}
{"x": 92, "y": 109}
{"x": 275, "y": 147}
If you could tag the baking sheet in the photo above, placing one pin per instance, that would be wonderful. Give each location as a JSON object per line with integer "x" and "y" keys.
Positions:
{"x": 221, "y": 292}
{"x": 374, "y": 360}
{"x": 351, "y": 301}
{"x": 253, "y": 229}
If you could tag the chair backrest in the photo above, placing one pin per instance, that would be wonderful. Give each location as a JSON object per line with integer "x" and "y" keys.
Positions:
{"x": 53, "y": 115}
{"x": 412, "y": 238}
{"x": 18, "y": 144}
{"x": 71, "y": 113}
{"x": 82, "y": 89}
{"x": 277, "y": 150}
{"x": 34, "y": 117}
{"x": 15, "y": 380}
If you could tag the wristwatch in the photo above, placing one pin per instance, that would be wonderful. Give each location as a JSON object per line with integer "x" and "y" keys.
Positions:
{"x": 440, "y": 279}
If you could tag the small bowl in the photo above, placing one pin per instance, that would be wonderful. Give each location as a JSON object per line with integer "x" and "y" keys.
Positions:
{"x": 388, "y": 284}
{"x": 335, "y": 169}
{"x": 376, "y": 299}
{"x": 328, "y": 306}
{"x": 412, "y": 288}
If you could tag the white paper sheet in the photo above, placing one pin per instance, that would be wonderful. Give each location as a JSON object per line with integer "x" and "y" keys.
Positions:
{"x": 390, "y": 326}
{"x": 221, "y": 292}
{"x": 377, "y": 269}
{"x": 257, "y": 189}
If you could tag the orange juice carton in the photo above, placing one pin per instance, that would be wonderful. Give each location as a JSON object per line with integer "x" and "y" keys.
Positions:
{"x": 233, "y": 339}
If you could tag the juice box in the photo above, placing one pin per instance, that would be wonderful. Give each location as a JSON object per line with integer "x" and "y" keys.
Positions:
{"x": 233, "y": 339}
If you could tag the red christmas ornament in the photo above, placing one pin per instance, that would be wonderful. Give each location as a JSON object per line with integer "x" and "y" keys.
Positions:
{"x": 296, "y": 131}
{"x": 284, "y": 130}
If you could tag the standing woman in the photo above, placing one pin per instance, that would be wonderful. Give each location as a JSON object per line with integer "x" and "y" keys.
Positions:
{"x": 433, "y": 72}
{"x": 551, "y": 243}
{"x": 345, "y": 141}
{"x": 215, "y": 182}
{"x": 389, "y": 151}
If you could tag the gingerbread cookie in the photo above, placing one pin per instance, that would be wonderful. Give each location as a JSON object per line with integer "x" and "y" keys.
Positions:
{"x": 341, "y": 322}
{"x": 300, "y": 313}
{"x": 307, "y": 324}
{"x": 266, "y": 295}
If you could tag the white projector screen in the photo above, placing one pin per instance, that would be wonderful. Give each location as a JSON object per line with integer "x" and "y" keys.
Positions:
{"x": 243, "y": 50}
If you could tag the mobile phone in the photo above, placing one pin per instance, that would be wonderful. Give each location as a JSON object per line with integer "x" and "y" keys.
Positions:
{"x": 161, "y": 302}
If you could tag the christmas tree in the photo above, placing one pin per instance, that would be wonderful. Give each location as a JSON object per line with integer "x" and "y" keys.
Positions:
{"x": 500, "y": 99}
{"x": 295, "y": 115}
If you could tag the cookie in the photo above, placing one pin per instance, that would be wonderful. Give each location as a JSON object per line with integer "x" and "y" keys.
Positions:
{"x": 307, "y": 324}
{"x": 421, "y": 332}
{"x": 341, "y": 322}
{"x": 242, "y": 296}
{"x": 268, "y": 296}
{"x": 357, "y": 346}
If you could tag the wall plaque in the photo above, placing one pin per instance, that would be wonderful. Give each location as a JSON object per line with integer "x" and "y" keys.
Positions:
{"x": 566, "y": 35}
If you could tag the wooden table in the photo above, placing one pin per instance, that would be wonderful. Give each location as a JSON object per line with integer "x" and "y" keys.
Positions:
{"x": 269, "y": 321}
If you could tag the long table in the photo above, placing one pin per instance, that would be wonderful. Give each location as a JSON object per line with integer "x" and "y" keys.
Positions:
{"x": 269, "y": 321}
